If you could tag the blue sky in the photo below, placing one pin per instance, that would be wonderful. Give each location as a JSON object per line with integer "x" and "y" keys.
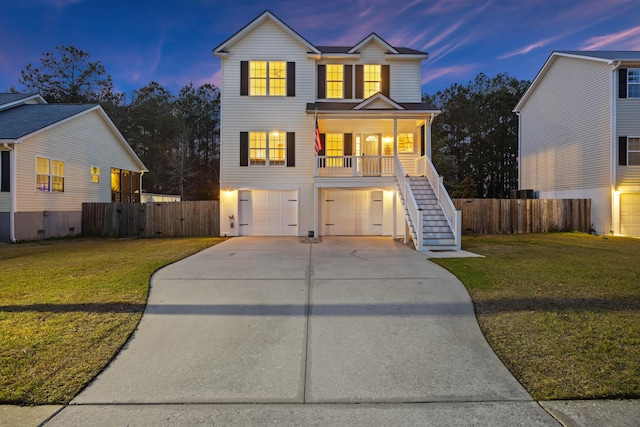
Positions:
{"x": 170, "y": 42}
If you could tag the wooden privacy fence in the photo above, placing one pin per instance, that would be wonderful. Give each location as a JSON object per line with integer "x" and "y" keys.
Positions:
{"x": 508, "y": 216}
{"x": 175, "y": 219}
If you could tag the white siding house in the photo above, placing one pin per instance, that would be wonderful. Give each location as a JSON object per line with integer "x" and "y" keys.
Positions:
{"x": 372, "y": 174}
{"x": 578, "y": 126}
{"x": 54, "y": 158}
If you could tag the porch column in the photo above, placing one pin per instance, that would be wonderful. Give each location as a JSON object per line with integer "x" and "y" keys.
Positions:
{"x": 395, "y": 137}
{"x": 394, "y": 214}
{"x": 316, "y": 229}
{"x": 427, "y": 138}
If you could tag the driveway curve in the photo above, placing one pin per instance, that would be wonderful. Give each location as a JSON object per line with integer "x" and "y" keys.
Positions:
{"x": 352, "y": 330}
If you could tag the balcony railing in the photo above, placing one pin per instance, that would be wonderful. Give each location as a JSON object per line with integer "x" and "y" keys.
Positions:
{"x": 356, "y": 166}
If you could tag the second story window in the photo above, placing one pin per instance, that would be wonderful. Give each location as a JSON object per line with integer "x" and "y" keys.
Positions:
{"x": 372, "y": 79}
{"x": 267, "y": 149}
{"x": 335, "y": 78}
{"x": 633, "y": 151}
{"x": 267, "y": 78}
{"x": 633, "y": 82}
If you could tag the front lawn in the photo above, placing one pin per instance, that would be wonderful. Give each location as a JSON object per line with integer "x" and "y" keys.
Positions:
{"x": 562, "y": 311}
{"x": 68, "y": 306}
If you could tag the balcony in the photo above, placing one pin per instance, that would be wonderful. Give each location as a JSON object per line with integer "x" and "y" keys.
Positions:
{"x": 353, "y": 166}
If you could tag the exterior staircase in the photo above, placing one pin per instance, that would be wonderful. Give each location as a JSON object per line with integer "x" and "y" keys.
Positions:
{"x": 437, "y": 233}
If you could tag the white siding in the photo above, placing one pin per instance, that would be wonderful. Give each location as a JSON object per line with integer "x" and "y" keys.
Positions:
{"x": 253, "y": 113}
{"x": 566, "y": 130}
{"x": 405, "y": 81}
{"x": 81, "y": 142}
{"x": 627, "y": 124}
{"x": 5, "y": 202}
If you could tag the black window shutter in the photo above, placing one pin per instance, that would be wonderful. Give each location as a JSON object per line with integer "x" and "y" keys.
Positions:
{"x": 291, "y": 149}
{"x": 348, "y": 148}
{"x": 322, "y": 81}
{"x": 622, "y": 82}
{"x": 323, "y": 139}
{"x": 5, "y": 179}
{"x": 422, "y": 140}
{"x": 348, "y": 82}
{"x": 244, "y": 148}
{"x": 622, "y": 151}
{"x": 385, "y": 83}
{"x": 291, "y": 79}
{"x": 244, "y": 78}
{"x": 359, "y": 81}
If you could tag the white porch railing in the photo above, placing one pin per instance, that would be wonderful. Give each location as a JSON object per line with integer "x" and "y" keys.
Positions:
{"x": 356, "y": 166}
{"x": 410, "y": 202}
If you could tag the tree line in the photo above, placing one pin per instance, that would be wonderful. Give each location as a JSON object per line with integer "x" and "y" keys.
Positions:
{"x": 176, "y": 136}
{"x": 474, "y": 139}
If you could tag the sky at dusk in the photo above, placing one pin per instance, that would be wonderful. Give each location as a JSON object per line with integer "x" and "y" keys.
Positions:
{"x": 140, "y": 41}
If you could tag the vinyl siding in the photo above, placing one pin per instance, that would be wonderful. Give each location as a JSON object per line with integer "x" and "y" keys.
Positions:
{"x": 267, "y": 42}
{"x": 81, "y": 142}
{"x": 5, "y": 202}
{"x": 628, "y": 124}
{"x": 565, "y": 128}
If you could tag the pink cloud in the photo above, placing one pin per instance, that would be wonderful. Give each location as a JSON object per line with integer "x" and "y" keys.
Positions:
{"x": 530, "y": 47}
{"x": 629, "y": 38}
{"x": 454, "y": 70}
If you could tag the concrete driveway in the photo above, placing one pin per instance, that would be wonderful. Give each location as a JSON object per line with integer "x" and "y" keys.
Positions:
{"x": 271, "y": 331}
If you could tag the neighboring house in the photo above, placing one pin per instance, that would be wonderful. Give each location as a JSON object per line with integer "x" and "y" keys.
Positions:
{"x": 54, "y": 157}
{"x": 371, "y": 175}
{"x": 580, "y": 135}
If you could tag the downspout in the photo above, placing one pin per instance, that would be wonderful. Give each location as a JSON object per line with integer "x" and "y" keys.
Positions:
{"x": 615, "y": 205}
{"x": 12, "y": 189}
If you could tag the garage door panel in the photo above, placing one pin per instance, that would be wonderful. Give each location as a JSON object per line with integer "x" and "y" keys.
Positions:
{"x": 630, "y": 214}
{"x": 350, "y": 213}
{"x": 270, "y": 213}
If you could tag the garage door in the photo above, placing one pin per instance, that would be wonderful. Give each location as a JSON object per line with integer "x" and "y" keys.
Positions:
{"x": 630, "y": 214}
{"x": 352, "y": 213}
{"x": 268, "y": 213}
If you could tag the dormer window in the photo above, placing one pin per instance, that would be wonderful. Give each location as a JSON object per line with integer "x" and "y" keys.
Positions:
{"x": 372, "y": 80}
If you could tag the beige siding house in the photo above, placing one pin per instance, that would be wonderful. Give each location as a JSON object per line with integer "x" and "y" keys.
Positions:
{"x": 327, "y": 140}
{"x": 54, "y": 157}
{"x": 580, "y": 135}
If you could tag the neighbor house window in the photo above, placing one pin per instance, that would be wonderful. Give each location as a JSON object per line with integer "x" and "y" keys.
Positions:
{"x": 372, "y": 79}
{"x": 125, "y": 186}
{"x": 267, "y": 78}
{"x": 95, "y": 174}
{"x": 633, "y": 151}
{"x": 49, "y": 175}
{"x": 405, "y": 143}
{"x": 335, "y": 78}
{"x": 267, "y": 148}
{"x": 633, "y": 83}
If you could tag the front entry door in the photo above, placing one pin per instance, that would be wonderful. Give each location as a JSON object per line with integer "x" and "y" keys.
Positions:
{"x": 370, "y": 154}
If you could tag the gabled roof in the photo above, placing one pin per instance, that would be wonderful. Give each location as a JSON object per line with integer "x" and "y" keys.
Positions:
{"x": 611, "y": 57}
{"x": 222, "y": 49}
{"x": 8, "y": 100}
{"x": 353, "y": 106}
{"x": 266, "y": 15}
{"x": 378, "y": 99}
{"x": 26, "y": 119}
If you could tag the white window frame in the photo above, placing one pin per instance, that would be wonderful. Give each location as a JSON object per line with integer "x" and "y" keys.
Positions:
{"x": 331, "y": 80}
{"x": 268, "y": 79}
{"x": 633, "y": 81}
{"x": 268, "y": 149}
{"x": 95, "y": 174}
{"x": 369, "y": 82}
{"x": 50, "y": 175}
{"x": 629, "y": 150}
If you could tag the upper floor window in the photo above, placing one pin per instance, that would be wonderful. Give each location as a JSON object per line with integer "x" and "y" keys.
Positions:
{"x": 267, "y": 78}
{"x": 49, "y": 175}
{"x": 633, "y": 82}
{"x": 267, "y": 148}
{"x": 335, "y": 78}
{"x": 372, "y": 79}
{"x": 633, "y": 151}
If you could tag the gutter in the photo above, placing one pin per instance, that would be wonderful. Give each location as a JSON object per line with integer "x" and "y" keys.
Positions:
{"x": 12, "y": 205}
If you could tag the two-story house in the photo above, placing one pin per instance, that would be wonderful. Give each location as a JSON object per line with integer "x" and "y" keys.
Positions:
{"x": 53, "y": 158}
{"x": 333, "y": 140}
{"x": 580, "y": 135}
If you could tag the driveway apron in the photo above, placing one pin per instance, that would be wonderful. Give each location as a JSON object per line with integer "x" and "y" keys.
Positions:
{"x": 358, "y": 329}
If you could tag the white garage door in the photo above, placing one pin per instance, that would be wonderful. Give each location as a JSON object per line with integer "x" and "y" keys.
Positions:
{"x": 268, "y": 213}
{"x": 352, "y": 213}
{"x": 630, "y": 214}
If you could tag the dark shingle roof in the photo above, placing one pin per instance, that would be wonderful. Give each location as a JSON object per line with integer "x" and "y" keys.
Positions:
{"x": 6, "y": 98}
{"x": 345, "y": 49}
{"x": 25, "y": 119}
{"x": 612, "y": 55}
{"x": 347, "y": 106}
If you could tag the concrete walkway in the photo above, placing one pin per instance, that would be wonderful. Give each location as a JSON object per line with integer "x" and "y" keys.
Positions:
{"x": 270, "y": 331}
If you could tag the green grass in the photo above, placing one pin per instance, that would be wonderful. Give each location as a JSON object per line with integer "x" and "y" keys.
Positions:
{"x": 68, "y": 306}
{"x": 561, "y": 310}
